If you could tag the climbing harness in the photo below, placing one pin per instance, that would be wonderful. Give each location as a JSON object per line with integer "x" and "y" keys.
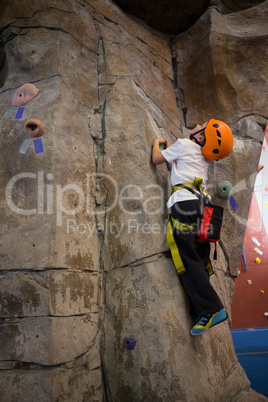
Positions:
{"x": 173, "y": 223}
{"x": 208, "y": 230}
{"x": 212, "y": 215}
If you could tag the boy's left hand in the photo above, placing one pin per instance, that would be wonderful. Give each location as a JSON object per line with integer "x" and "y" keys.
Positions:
{"x": 162, "y": 141}
{"x": 157, "y": 157}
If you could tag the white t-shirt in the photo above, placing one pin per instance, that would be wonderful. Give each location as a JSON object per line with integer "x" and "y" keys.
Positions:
{"x": 188, "y": 163}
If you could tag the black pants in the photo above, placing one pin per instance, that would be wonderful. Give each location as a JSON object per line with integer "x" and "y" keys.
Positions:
{"x": 195, "y": 258}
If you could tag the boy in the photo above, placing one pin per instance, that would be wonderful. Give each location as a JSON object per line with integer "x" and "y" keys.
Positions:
{"x": 190, "y": 158}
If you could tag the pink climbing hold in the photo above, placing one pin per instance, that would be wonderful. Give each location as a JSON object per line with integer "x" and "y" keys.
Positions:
{"x": 34, "y": 128}
{"x": 24, "y": 94}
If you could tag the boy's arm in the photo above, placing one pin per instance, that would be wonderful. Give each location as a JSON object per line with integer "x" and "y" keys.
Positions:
{"x": 157, "y": 156}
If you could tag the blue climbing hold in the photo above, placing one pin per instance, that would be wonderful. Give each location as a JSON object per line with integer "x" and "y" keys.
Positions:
{"x": 130, "y": 343}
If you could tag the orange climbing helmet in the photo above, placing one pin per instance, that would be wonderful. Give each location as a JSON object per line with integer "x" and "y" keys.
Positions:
{"x": 219, "y": 140}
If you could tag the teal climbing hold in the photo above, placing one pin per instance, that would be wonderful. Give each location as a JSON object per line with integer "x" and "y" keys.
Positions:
{"x": 162, "y": 146}
{"x": 224, "y": 189}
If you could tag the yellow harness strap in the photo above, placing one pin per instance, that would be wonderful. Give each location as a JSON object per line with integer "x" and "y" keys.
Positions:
{"x": 196, "y": 185}
{"x": 172, "y": 244}
{"x": 173, "y": 223}
{"x": 174, "y": 249}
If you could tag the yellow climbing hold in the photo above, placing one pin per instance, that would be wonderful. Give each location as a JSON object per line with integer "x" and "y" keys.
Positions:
{"x": 262, "y": 291}
{"x": 266, "y": 204}
{"x": 250, "y": 220}
{"x": 255, "y": 249}
{"x": 257, "y": 260}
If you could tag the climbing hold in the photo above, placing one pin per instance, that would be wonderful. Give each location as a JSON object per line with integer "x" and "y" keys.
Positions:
{"x": 266, "y": 314}
{"x": 250, "y": 220}
{"x": 162, "y": 146}
{"x": 266, "y": 204}
{"x": 24, "y": 94}
{"x": 233, "y": 203}
{"x": 224, "y": 189}
{"x": 257, "y": 260}
{"x": 249, "y": 282}
{"x": 130, "y": 343}
{"x": 262, "y": 291}
{"x": 34, "y": 128}
{"x": 266, "y": 187}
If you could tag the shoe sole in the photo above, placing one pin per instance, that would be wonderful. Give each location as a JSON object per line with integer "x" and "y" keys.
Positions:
{"x": 213, "y": 325}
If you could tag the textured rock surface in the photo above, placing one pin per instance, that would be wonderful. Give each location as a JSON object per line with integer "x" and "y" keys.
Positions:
{"x": 84, "y": 261}
{"x": 224, "y": 65}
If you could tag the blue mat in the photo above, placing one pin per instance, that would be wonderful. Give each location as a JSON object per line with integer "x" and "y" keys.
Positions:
{"x": 251, "y": 346}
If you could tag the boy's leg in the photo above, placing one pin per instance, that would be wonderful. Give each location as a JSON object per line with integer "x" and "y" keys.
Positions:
{"x": 203, "y": 249}
{"x": 203, "y": 297}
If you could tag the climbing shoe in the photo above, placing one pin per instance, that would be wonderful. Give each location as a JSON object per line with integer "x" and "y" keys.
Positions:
{"x": 208, "y": 321}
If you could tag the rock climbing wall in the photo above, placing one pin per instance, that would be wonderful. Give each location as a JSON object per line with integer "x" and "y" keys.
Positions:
{"x": 84, "y": 260}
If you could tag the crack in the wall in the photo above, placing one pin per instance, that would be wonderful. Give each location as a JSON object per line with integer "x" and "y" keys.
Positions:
{"x": 149, "y": 259}
{"x": 244, "y": 116}
{"x": 99, "y": 151}
{"x": 151, "y": 61}
{"x": 162, "y": 131}
{"x": 175, "y": 72}
{"x": 33, "y": 82}
{"x": 247, "y": 138}
{"x": 55, "y": 29}
{"x": 158, "y": 107}
{"x": 8, "y": 33}
{"x": 117, "y": 24}
{"x": 80, "y": 4}
{"x": 56, "y": 269}
{"x": 179, "y": 93}
{"x": 47, "y": 79}
{"x": 17, "y": 319}
{"x": 10, "y": 365}
{"x": 47, "y": 10}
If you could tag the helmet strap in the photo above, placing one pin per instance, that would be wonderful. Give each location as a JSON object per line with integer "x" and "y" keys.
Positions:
{"x": 192, "y": 138}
